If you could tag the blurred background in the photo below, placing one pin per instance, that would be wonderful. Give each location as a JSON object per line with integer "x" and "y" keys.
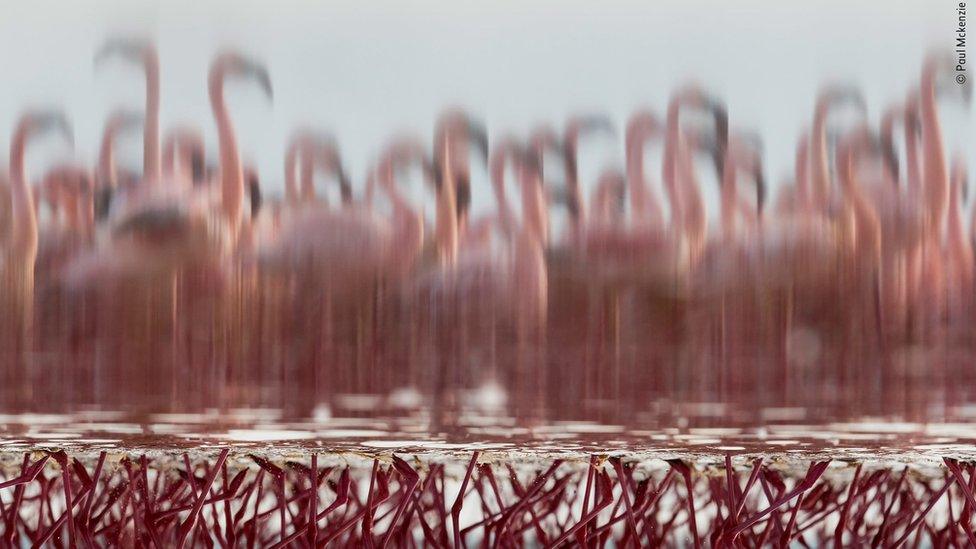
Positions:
{"x": 367, "y": 70}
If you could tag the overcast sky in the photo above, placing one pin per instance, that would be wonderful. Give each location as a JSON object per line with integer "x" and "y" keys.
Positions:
{"x": 366, "y": 70}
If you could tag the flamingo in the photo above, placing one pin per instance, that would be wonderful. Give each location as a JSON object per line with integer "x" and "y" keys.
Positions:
{"x": 829, "y": 98}
{"x": 680, "y": 182}
{"x": 143, "y": 53}
{"x": 486, "y": 281}
{"x": 454, "y": 136}
{"x": 934, "y": 186}
{"x": 18, "y": 250}
{"x": 165, "y": 236}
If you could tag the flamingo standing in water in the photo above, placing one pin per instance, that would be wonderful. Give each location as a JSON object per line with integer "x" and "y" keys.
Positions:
{"x": 487, "y": 282}
{"x": 935, "y": 185}
{"x": 18, "y": 252}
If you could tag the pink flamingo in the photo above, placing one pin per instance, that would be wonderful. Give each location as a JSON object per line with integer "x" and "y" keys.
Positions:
{"x": 143, "y": 53}
{"x": 167, "y": 237}
{"x": 454, "y": 136}
{"x": 20, "y": 249}
{"x": 576, "y": 128}
{"x": 688, "y": 210}
{"x": 349, "y": 247}
{"x": 934, "y": 185}
{"x": 644, "y": 203}
{"x": 828, "y": 99}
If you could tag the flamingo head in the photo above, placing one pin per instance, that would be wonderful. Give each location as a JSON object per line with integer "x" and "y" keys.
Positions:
{"x": 45, "y": 121}
{"x": 838, "y": 94}
{"x": 131, "y": 49}
{"x": 234, "y": 64}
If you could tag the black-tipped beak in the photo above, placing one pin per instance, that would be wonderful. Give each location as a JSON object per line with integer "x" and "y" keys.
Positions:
{"x": 478, "y": 136}
{"x": 847, "y": 94}
{"x": 345, "y": 188}
{"x": 254, "y": 190}
{"x": 761, "y": 189}
{"x": 129, "y": 120}
{"x": 889, "y": 156}
{"x": 55, "y": 121}
{"x": 597, "y": 123}
{"x": 263, "y": 78}
{"x": 128, "y": 49}
{"x": 249, "y": 68}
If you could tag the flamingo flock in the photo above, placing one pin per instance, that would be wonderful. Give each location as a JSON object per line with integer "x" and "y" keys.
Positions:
{"x": 191, "y": 284}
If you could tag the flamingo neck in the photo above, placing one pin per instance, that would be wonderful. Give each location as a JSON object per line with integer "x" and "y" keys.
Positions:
{"x": 534, "y": 210}
{"x": 819, "y": 163}
{"x": 866, "y": 220}
{"x": 447, "y": 222}
{"x": 151, "y": 152}
{"x": 802, "y": 171}
{"x": 306, "y": 170}
{"x": 643, "y": 204}
{"x": 24, "y": 215}
{"x": 936, "y": 177}
{"x": 291, "y": 186}
{"x": 911, "y": 163}
{"x": 729, "y": 196}
{"x": 669, "y": 171}
{"x": 231, "y": 172}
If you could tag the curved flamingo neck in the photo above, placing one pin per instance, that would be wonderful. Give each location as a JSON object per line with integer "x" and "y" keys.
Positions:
{"x": 151, "y": 151}
{"x": 231, "y": 172}
{"x": 960, "y": 248}
{"x": 296, "y": 147}
{"x": 446, "y": 224}
{"x": 729, "y": 194}
{"x": 936, "y": 176}
{"x": 865, "y": 217}
{"x": 24, "y": 216}
{"x": 819, "y": 162}
{"x": 673, "y": 146}
{"x": 644, "y": 205}
{"x": 802, "y": 170}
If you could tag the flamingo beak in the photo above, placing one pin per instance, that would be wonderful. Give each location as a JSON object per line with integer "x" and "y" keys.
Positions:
{"x": 129, "y": 49}
{"x": 721, "y": 115}
{"x": 761, "y": 189}
{"x": 103, "y": 202}
{"x": 847, "y": 94}
{"x": 890, "y": 157}
{"x": 197, "y": 168}
{"x": 254, "y": 190}
{"x": 57, "y": 121}
{"x": 597, "y": 124}
{"x": 345, "y": 188}
{"x": 478, "y": 135}
{"x": 131, "y": 120}
{"x": 258, "y": 72}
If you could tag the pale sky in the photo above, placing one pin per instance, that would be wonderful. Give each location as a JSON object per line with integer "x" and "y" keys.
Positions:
{"x": 365, "y": 71}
